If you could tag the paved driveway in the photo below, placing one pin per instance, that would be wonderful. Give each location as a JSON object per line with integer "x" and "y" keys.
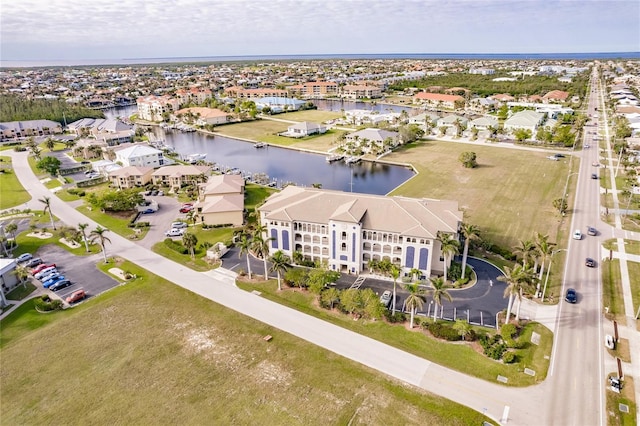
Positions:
{"x": 168, "y": 211}
{"x": 81, "y": 270}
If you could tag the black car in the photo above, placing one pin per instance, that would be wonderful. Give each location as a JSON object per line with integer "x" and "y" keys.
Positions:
{"x": 592, "y": 231}
{"x": 558, "y": 155}
{"x": 594, "y": 176}
{"x": 60, "y": 285}
{"x": 590, "y": 262}
{"x": 571, "y": 296}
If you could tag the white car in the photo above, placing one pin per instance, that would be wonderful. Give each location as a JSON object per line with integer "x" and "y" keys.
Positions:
{"x": 577, "y": 235}
{"x": 178, "y": 225}
{"x": 174, "y": 232}
{"x": 45, "y": 272}
{"x": 24, "y": 257}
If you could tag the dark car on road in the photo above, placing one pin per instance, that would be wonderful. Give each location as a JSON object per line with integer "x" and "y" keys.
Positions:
{"x": 590, "y": 262}
{"x": 592, "y": 231}
{"x": 571, "y": 296}
{"x": 594, "y": 176}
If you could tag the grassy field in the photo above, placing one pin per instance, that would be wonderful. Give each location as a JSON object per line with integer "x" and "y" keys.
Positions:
{"x": 13, "y": 193}
{"x": 111, "y": 222}
{"x": 612, "y": 296}
{"x": 496, "y": 196}
{"x": 614, "y": 416}
{"x": 455, "y": 356}
{"x": 150, "y": 352}
{"x": 634, "y": 277}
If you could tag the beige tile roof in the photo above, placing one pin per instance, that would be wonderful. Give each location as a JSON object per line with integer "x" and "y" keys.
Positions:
{"x": 223, "y": 203}
{"x": 223, "y": 184}
{"x": 182, "y": 170}
{"x": 131, "y": 171}
{"x": 405, "y": 216}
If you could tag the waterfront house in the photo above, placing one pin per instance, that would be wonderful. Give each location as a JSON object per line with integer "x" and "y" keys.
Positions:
{"x": 130, "y": 177}
{"x": 156, "y": 108}
{"x": 177, "y": 176}
{"x": 360, "y": 92}
{"x": 110, "y": 130}
{"x": 367, "y": 138}
{"x": 347, "y": 230}
{"x": 203, "y": 116}
{"x": 221, "y": 200}
{"x": 306, "y": 128}
{"x": 140, "y": 155}
{"x": 242, "y": 93}
{"x": 279, "y": 104}
{"x": 555, "y": 96}
{"x": 439, "y": 100}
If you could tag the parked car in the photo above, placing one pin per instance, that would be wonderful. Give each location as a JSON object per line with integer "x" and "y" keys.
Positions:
{"x": 178, "y": 225}
{"x": 24, "y": 257}
{"x": 60, "y": 285}
{"x": 50, "y": 275}
{"x": 577, "y": 235}
{"x": 591, "y": 230}
{"x": 186, "y": 209}
{"x": 590, "y": 262}
{"x": 154, "y": 192}
{"x": 571, "y": 296}
{"x": 385, "y": 299}
{"x": 34, "y": 262}
{"x": 44, "y": 272}
{"x": 148, "y": 211}
{"x": 160, "y": 193}
{"x": 174, "y": 232}
{"x": 76, "y": 296}
{"x": 52, "y": 281}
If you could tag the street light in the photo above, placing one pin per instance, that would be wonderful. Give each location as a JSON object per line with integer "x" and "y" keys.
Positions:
{"x": 544, "y": 290}
{"x": 564, "y": 194}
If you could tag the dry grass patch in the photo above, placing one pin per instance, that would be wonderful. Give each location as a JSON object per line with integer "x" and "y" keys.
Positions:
{"x": 509, "y": 195}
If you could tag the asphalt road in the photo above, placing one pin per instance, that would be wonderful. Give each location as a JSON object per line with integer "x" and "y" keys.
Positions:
{"x": 576, "y": 373}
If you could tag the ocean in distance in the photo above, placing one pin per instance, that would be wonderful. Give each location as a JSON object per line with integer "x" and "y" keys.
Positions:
{"x": 252, "y": 58}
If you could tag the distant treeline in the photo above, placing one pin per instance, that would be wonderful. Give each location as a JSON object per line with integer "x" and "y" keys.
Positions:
{"x": 16, "y": 108}
{"x": 483, "y": 85}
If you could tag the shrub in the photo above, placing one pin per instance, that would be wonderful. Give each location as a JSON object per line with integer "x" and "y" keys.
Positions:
{"x": 399, "y": 317}
{"x": 502, "y": 252}
{"x": 455, "y": 272}
{"x": 507, "y": 331}
{"x": 509, "y": 357}
{"x": 175, "y": 246}
{"x": 45, "y": 304}
{"x": 443, "y": 331}
{"x": 492, "y": 346}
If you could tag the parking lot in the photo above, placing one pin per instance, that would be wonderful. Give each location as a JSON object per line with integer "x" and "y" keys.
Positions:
{"x": 81, "y": 270}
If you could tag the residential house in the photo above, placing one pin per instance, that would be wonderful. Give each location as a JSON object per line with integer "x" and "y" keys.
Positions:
{"x": 110, "y": 130}
{"x": 306, "y": 128}
{"x": 368, "y": 138}
{"x": 502, "y": 98}
{"x": 439, "y": 100}
{"x": 452, "y": 120}
{"x": 203, "y": 116}
{"x": 140, "y": 155}
{"x": 527, "y": 119}
{"x": 361, "y": 117}
{"x": 130, "y": 177}
{"x": 484, "y": 123}
{"x": 279, "y": 104}
{"x": 221, "y": 200}
{"x": 346, "y": 230}
{"x": 424, "y": 118}
{"x": 555, "y": 96}
{"x": 175, "y": 177}
{"x": 483, "y": 104}
{"x": 27, "y": 128}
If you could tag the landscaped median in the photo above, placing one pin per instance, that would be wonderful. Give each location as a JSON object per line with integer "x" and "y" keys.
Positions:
{"x": 150, "y": 343}
{"x": 466, "y": 357}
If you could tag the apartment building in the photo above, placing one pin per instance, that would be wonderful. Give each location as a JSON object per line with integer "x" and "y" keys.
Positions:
{"x": 153, "y": 108}
{"x": 439, "y": 100}
{"x": 347, "y": 230}
{"x": 242, "y": 93}
{"x": 361, "y": 92}
{"x": 315, "y": 89}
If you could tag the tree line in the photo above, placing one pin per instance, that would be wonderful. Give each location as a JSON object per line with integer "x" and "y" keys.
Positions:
{"x": 16, "y": 108}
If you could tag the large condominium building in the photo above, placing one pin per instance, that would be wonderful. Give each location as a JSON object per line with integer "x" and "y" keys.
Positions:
{"x": 153, "y": 108}
{"x": 315, "y": 89}
{"x": 347, "y": 230}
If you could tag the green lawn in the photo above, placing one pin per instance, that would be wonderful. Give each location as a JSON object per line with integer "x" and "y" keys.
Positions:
{"x": 634, "y": 278}
{"x": 508, "y": 196}
{"x": 150, "y": 351}
{"x": 612, "y": 297}
{"x": 117, "y": 224}
{"x": 458, "y": 357}
{"x": 13, "y": 193}
{"x": 22, "y": 291}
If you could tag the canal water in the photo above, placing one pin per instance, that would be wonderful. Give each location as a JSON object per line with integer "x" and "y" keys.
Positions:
{"x": 280, "y": 164}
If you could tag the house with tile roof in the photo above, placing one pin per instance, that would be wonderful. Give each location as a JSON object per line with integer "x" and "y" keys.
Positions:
{"x": 140, "y": 155}
{"x": 555, "y": 96}
{"x": 439, "y": 100}
{"x": 154, "y": 108}
{"x": 243, "y": 93}
{"x": 110, "y": 130}
{"x": 366, "y": 138}
{"x": 305, "y": 128}
{"x": 130, "y": 177}
{"x": 221, "y": 200}
{"x": 347, "y": 230}
{"x": 527, "y": 120}
{"x": 315, "y": 89}
{"x": 204, "y": 116}
{"x": 360, "y": 92}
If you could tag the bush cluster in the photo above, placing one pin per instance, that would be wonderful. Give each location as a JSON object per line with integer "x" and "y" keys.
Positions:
{"x": 492, "y": 346}
{"x": 76, "y": 191}
{"x": 443, "y": 331}
{"x": 139, "y": 224}
{"x": 45, "y": 304}
{"x": 509, "y": 357}
{"x": 502, "y": 252}
{"x": 455, "y": 272}
{"x": 224, "y": 225}
{"x": 399, "y": 317}
{"x": 175, "y": 246}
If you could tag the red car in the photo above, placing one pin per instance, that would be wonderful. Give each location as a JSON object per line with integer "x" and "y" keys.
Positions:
{"x": 186, "y": 208}
{"x": 42, "y": 266}
{"x": 76, "y": 296}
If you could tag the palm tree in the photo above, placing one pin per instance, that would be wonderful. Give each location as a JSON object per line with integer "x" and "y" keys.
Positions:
{"x": 394, "y": 271}
{"x": 11, "y": 228}
{"x": 330, "y": 296}
{"x": 245, "y": 248}
{"x": 526, "y": 249}
{"x": 279, "y": 265}
{"x": 470, "y": 232}
{"x": 415, "y": 299}
{"x": 22, "y": 273}
{"x": 545, "y": 248}
{"x": 518, "y": 279}
{"x": 415, "y": 273}
{"x": 439, "y": 291}
{"x": 47, "y": 208}
{"x": 49, "y": 144}
{"x": 83, "y": 230}
{"x": 527, "y": 280}
{"x": 449, "y": 247}
{"x": 97, "y": 235}
{"x": 36, "y": 152}
{"x": 462, "y": 327}
{"x": 261, "y": 246}
{"x": 190, "y": 241}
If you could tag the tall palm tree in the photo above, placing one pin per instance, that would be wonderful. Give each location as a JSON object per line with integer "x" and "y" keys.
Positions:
{"x": 279, "y": 265}
{"x": 462, "y": 326}
{"x": 261, "y": 246}
{"x": 83, "y": 230}
{"x": 470, "y": 232}
{"x": 190, "y": 241}
{"x": 22, "y": 272}
{"x": 527, "y": 250}
{"x": 415, "y": 299}
{"x": 245, "y": 248}
{"x": 394, "y": 272}
{"x": 11, "y": 229}
{"x": 438, "y": 291}
{"x": 449, "y": 247}
{"x": 545, "y": 248}
{"x": 49, "y": 144}
{"x": 47, "y": 208}
{"x": 518, "y": 280}
{"x": 97, "y": 235}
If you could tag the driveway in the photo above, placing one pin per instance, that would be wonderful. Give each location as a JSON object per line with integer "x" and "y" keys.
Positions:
{"x": 168, "y": 211}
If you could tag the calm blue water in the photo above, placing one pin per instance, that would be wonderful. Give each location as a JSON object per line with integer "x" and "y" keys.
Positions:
{"x": 280, "y": 164}
{"x": 461, "y": 56}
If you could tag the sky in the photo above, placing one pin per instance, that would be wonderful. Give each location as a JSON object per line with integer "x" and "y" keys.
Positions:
{"x": 124, "y": 29}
